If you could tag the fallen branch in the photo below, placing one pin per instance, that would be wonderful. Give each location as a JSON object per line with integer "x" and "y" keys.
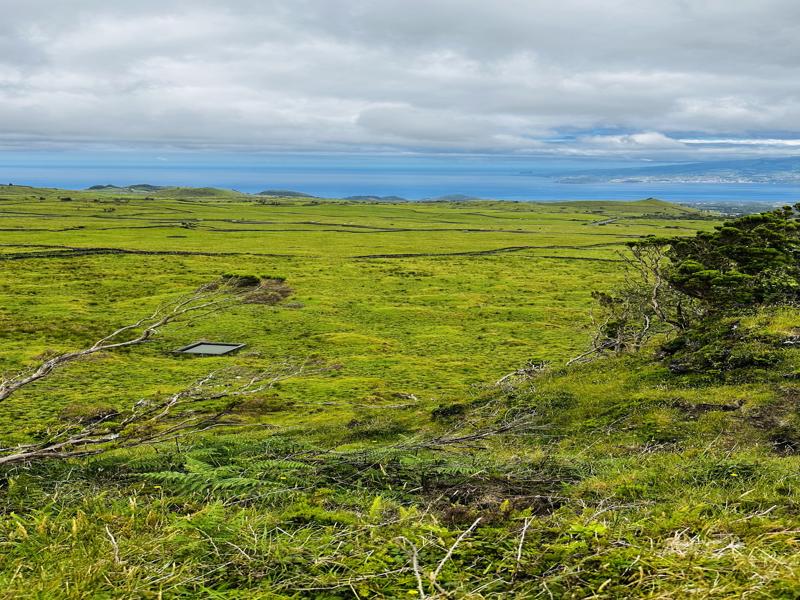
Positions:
{"x": 525, "y": 526}
{"x": 452, "y": 549}
{"x": 530, "y": 370}
{"x": 150, "y": 422}
{"x": 415, "y": 567}
{"x": 206, "y": 299}
{"x": 199, "y": 407}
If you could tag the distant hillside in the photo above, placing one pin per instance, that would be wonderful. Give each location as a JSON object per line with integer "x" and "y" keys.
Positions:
{"x": 139, "y": 187}
{"x": 284, "y": 194}
{"x": 162, "y": 191}
{"x": 453, "y": 198}
{"x": 200, "y": 192}
{"x": 635, "y": 209}
{"x": 146, "y": 187}
{"x": 376, "y": 198}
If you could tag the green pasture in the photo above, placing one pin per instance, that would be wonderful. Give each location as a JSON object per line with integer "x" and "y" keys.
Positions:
{"x": 627, "y": 480}
{"x": 428, "y": 300}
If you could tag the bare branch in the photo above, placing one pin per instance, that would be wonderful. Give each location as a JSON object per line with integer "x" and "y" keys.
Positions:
{"x": 149, "y": 422}
{"x": 415, "y": 567}
{"x": 481, "y": 434}
{"x": 208, "y": 298}
{"x": 530, "y": 370}
{"x": 114, "y": 545}
{"x": 447, "y": 556}
{"x": 521, "y": 545}
{"x": 171, "y": 417}
{"x": 643, "y": 306}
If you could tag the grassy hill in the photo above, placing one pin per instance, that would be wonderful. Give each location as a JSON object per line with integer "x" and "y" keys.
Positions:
{"x": 619, "y": 478}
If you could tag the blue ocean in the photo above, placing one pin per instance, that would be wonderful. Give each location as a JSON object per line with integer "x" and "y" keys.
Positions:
{"x": 337, "y": 175}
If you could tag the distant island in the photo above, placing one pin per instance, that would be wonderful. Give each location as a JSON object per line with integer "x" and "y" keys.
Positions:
{"x": 761, "y": 170}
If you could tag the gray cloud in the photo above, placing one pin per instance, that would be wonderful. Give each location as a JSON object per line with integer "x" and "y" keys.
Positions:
{"x": 631, "y": 77}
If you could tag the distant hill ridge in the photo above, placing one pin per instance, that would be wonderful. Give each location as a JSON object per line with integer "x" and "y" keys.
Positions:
{"x": 139, "y": 187}
{"x": 284, "y": 194}
{"x": 376, "y": 198}
{"x": 453, "y": 198}
{"x": 165, "y": 191}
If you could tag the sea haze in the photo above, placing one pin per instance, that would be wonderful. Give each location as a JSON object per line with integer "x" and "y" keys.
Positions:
{"x": 410, "y": 176}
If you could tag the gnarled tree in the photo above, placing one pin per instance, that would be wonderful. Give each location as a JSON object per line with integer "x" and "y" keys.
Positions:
{"x": 675, "y": 284}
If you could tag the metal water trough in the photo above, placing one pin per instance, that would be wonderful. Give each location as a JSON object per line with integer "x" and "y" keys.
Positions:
{"x": 209, "y": 348}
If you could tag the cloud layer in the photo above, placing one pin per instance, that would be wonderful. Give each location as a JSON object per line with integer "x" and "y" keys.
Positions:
{"x": 606, "y": 77}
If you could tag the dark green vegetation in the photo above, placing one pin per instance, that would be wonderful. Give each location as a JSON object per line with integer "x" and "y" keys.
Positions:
{"x": 400, "y": 470}
{"x": 752, "y": 260}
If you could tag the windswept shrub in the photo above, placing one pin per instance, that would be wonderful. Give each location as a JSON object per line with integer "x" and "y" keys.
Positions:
{"x": 693, "y": 290}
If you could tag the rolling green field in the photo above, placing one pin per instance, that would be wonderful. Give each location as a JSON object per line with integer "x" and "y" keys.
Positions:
{"x": 427, "y": 300}
{"x": 402, "y": 470}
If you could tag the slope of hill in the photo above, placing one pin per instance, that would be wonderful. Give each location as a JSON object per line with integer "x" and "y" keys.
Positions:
{"x": 376, "y": 198}
{"x": 139, "y": 187}
{"x": 192, "y": 192}
{"x": 407, "y": 464}
{"x": 284, "y": 194}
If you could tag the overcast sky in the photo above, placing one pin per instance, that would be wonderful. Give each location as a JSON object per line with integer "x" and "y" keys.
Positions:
{"x": 648, "y": 78}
